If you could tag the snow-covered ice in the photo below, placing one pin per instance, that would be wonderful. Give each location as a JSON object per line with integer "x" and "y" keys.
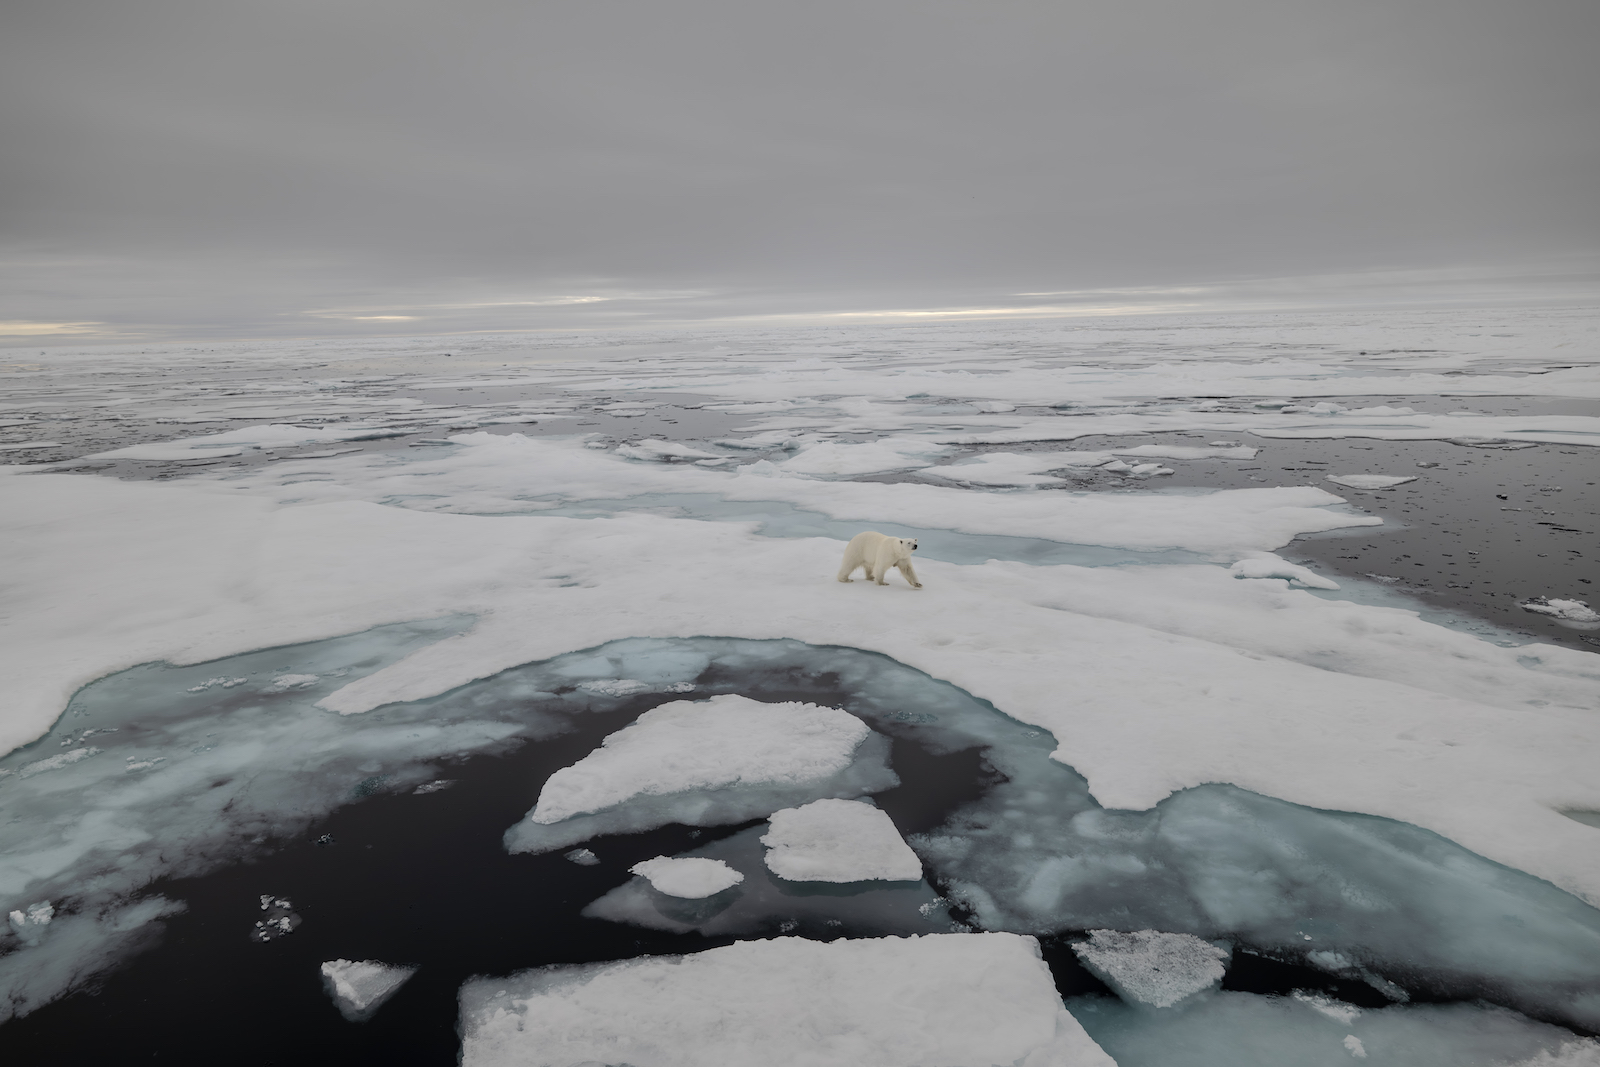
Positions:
{"x": 1575, "y": 613}
{"x": 690, "y": 878}
{"x": 1266, "y": 565}
{"x": 721, "y": 760}
{"x": 838, "y": 841}
{"x": 1151, "y": 967}
{"x": 360, "y": 988}
{"x": 969, "y": 1000}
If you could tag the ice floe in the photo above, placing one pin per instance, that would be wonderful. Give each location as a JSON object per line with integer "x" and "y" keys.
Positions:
{"x": 1151, "y": 967}
{"x": 720, "y": 760}
{"x": 1575, "y": 613}
{"x": 690, "y": 878}
{"x": 838, "y": 841}
{"x": 967, "y": 1000}
{"x": 360, "y": 988}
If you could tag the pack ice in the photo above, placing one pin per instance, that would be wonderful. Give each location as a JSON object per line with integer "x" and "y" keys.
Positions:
{"x": 968, "y": 1000}
{"x": 360, "y": 988}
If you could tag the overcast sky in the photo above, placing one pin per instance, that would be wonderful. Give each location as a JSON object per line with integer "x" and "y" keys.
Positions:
{"x": 300, "y": 167}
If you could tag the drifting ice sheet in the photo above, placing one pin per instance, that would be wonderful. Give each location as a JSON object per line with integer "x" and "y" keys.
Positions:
{"x": 691, "y": 878}
{"x": 710, "y": 763}
{"x": 838, "y": 841}
{"x": 712, "y": 744}
{"x": 1150, "y": 967}
{"x": 948, "y": 999}
{"x": 360, "y": 988}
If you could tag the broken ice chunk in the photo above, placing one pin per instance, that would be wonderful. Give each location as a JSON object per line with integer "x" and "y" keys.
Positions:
{"x": 1574, "y": 613}
{"x": 1269, "y": 566}
{"x": 435, "y": 786}
{"x": 708, "y": 744}
{"x": 691, "y": 878}
{"x": 30, "y": 925}
{"x": 838, "y": 841}
{"x": 285, "y": 682}
{"x": 280, "y": 920}
{"x": 360, "y": 988}
{"x": 1337, "y": 1010}
{"x": 582, "y": 857}
{"x": 706, "y": 763}
{"x": 1151, "y": 967}
{"x": 1370, "y": 481}
{"x": 662, "y": 451}
{"x": 960, "y": 1000}
{"x": 1357, "y": 1049}
{"x": 614, "y": 687}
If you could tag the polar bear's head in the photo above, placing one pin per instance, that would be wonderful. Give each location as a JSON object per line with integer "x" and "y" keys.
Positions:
{"x": 909, "y": 543}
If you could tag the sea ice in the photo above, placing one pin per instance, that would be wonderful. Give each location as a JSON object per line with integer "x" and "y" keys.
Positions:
{"x": 31, "y": 925}
{"x": 583, "y": 857}
{"x": 1574, "y": 613}
{"x": 838, "y": 841}
{"x": 360, "y": 988}
{"x": 711, "y": 744}
{"x": 1151, "y": 967}
{"x": 690, "y": 878}
{"x": 705, "y": 763}
{"x": 1266, "y": 565}
{"x": 1370, "y": 481}
{"x": 957, "y": 1000}
{"x": 664, "y": 451}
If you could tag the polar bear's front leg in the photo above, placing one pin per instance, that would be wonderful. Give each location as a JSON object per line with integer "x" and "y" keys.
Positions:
{"x": 910, "y": 575}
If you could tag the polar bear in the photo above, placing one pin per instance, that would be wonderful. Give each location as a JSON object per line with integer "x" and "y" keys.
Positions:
{"x": 877, "y": 553}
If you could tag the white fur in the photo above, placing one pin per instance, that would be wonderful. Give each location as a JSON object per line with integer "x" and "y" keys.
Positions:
{"x": 877, "y": 553}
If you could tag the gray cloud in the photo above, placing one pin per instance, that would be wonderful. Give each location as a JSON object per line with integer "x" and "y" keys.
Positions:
{"x": 186, "y": 167}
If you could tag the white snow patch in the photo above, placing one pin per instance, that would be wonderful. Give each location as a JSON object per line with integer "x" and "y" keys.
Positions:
{"x": 1152, "y": 967}
{"x": 725, "y": 741}
{"x": 55, "y": 763}
{"x": 956, "y": 1000}
{"x": 838, "y": 841}
{"x": 1357, "y": 1049}
{"x": 359, "y": 988}
{"x": 691, "y": 877}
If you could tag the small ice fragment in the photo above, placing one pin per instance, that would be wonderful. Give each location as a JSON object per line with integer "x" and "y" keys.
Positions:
{"x": 1370, "y": 481}
{"x": 1147, "y": 469}
{"x": 692, "y": 877}
{"x": 285, "y": 682}
{"x": 582, "y": 857}
{"x": 1116, "y": 466}
{"x": 360, "y": 988}
{"x": 55, "y": 763}
{"x": 30, "y": 924}
{"x": 1324, "y": 408}
{"x": 838, "y": 841}
{"x": 614, "y": 687}
{"x": 994, "y": 407}
{"x": 434, "y": 786}
{"x": 1151, "y": 967}
{"x": 662, "y": 451}
{"x": 1223, "y": 444}
{"x": 1574, "y": 613}
{"x": 1357, "y": 1049}
{"x": 1426, "y": 463}
{"x": 280, "y": 921}
{"x": 1270, "y": 566}
{"x": 1337, "y": 1010}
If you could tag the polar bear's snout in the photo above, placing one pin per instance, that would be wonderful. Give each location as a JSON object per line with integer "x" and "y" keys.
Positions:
{"x": 877, "y": 554}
